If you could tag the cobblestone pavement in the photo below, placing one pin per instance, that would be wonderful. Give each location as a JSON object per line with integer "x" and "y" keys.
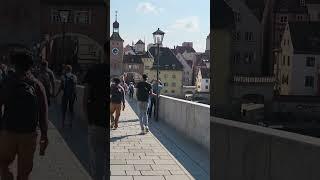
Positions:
{"x": 141, "y": 157}
{"x": 61, "y": 161}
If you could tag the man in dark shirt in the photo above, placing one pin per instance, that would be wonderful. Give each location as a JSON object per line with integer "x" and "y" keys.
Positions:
{"x": 16, "y": 136}
{"x": 95, "y": 107}
{"x": 46, "y": 76}
{"x": 144, "y": 90}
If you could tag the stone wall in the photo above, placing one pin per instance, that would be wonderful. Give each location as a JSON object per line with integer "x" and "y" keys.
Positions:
{"x": 189, "y": 118}
{"x": 243, "y": 151}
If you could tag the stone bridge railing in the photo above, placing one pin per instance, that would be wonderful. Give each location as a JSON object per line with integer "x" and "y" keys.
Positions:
{"x": 188, "y": 118}
{"x": 242, "y": 151}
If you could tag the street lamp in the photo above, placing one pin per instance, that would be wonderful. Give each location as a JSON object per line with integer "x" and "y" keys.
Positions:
{"x": 64, "y": 16}
{"x": 158, "y": 37}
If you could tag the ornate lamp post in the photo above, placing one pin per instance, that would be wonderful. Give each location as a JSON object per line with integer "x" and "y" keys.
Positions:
{"x": 158, "y": 38}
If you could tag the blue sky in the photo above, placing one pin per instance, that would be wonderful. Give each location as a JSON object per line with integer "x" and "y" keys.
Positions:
{"x": 181, "y": 20}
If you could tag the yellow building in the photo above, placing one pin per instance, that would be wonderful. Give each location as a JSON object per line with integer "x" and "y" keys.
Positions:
{"x": 170, "y": 71}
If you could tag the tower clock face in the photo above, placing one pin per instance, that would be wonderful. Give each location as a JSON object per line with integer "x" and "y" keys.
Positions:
{"x": 115, "y": 51}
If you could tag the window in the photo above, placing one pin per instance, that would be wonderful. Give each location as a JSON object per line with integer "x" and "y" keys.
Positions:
{"x": 248, "y": 36}
{"x": 302, "y": 2}
{"x": 130, "y": 66}
{"x": 173, "y": 84}
{"x": 165, "y": 84}
{"x": 237, "y": 36}
{"x": 283, "y": 60}
{"x": 237, "y": 17}
{"x": 55, "y": 18}
{"x": 288, "y": 60}
{"x": 207, "y": 81}
{"x": 173, "y": 76}
{"x": 310, "y": 62}
{"x": 207, "y": 87}
{"x": 165, "y": 75}
{"x": 283, "y": 19}
{"x": 236, "y": 58}
{"x": 82, "y": 17}
{"x": 248, "y": 58}
{"x": 165, "y": 91}
{"x": 173, "y": 91}
{"x": 309, "y": 81}
{"x": 299, "y": 17}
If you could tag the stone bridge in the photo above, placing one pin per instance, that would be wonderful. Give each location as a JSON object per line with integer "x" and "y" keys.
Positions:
{"x": 164, "y": 153}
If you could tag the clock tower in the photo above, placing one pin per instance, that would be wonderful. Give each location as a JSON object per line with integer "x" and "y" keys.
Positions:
{"x": 116, "y": 51}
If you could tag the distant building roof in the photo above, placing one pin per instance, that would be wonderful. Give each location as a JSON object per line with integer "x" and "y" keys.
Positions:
{"x": 292, "y": 6}
{"x": 305, "y": 37}
{"x": 167, "y": 60}
{"x": 132, "y": 59}
{"x": 257, "y": 7}
{"x": 140, "y": 42}
{"x": 182, "y": 49}
{"x": 116, "y": 37}
{"x": 205, "y": 73}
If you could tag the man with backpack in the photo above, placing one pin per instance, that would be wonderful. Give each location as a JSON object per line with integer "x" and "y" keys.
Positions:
{"x": 69, "y": 88}
{"x": 157, "y": 87}
{"x": 144, "y": 90}
{"x": 25, "y": 103}
{"x": 46, "y": 77}
{"x": 131, "y": 90}
{"x": 117, "y": 97}
{"x": 95, "y": 101}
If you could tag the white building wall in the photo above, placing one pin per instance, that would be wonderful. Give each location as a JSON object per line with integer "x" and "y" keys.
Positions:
{"x": 139, "y": 47}
{"x": 314, "y": 10}
{"x": 299, "y": 71}
{"x": 187, "y": 71}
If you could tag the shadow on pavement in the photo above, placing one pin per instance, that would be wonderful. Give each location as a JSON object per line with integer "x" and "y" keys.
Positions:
{"x": 76, "y": 137}
{"x": 177, "y": 145}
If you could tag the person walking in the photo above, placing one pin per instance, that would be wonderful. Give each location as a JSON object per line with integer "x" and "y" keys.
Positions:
{"x": 144, "y": 90}
{"x": 96, "y": 109}
{"x": 131, "y": 90}
{"x": 117, "y": 97}
{"x": 47, "y": 78}
{"x": 25, "y": 103}
{"x": 157, "y": 87}
{"x": 69, "y": 88}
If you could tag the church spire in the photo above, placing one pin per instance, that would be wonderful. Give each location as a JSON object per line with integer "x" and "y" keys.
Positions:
{"x": 116, "y": 24}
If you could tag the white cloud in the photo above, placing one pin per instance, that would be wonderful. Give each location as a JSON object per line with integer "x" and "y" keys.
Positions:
{"x": 190, "y": 24}
{"x": 146, "y": 7}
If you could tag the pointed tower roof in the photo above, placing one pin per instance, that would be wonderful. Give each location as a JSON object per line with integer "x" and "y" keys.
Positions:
{"x": 140, "y": 42}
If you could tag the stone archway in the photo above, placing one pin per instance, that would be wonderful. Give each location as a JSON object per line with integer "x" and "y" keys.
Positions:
{"x": 132, "y": 77}
{"x": 72, "y": 48}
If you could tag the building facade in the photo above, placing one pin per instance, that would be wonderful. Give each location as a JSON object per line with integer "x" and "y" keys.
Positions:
{"x": 78, "y": 37}
{"x": 116, "y": 51}
{"x": 170, "y": 72}
{"x": 20, "y": 26}
{"x": 299, "y": 60}
{"x": 203, "y": 80}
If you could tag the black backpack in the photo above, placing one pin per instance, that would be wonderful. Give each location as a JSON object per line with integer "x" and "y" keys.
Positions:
{"x": 143, "y": 89}
{"x": 21, "y": 112}
{"x": 69, "y": 86}
{"x": 116, "y": 94}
